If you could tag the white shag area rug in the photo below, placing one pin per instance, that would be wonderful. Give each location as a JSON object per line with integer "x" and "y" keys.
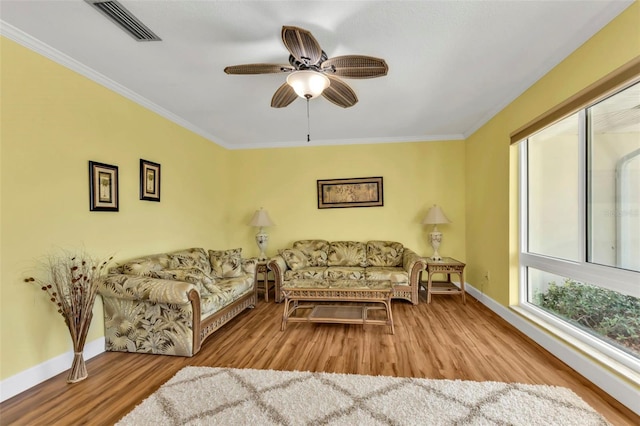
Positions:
{"x": 228, "y": 396}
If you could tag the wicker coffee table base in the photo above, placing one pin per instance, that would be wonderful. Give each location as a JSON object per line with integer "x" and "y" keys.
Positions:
{"x": 375, "y": 299}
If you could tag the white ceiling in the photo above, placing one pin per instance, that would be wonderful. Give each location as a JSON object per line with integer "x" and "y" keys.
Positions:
{"x": 452, "y": 64}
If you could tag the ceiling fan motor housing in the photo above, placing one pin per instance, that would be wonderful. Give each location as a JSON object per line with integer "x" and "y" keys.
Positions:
{"x": 305, "y": 64}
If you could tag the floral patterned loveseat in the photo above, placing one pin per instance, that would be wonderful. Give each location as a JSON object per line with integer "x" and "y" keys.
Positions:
{"x": 350, "y": 260}
{"x": 169, "y": 303}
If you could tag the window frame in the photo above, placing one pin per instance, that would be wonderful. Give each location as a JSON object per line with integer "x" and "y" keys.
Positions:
{"x": 609, "y": 277}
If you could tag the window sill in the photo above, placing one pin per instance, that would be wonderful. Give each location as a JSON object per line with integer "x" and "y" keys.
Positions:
{"x": 624, "y": 372}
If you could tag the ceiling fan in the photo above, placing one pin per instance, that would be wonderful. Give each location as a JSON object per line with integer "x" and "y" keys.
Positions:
{"x": 311, "y": 73}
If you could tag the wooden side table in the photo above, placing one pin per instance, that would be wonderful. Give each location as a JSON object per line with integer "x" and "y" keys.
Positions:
{"x": 261, "y": 268}
{"x": 447, "y": 266}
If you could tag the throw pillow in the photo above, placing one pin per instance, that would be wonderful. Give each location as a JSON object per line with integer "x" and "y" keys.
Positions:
{"x": 226, "y": 263}
{"x": 194, "y": 257}
{"x": 314, "y": 250}
{"x": 294, "y": 258}
{"x": 384, "y": 253}
{"x": 347, "y": 253}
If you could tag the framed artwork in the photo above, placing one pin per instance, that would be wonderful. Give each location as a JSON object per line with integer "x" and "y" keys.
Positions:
{"x": 103, "y": 187}
{"x": 354, "y": 192}
{"x": 149, "y": 180}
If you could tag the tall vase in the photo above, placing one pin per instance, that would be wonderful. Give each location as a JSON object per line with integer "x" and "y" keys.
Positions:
{"x": 79, "y": 332}
{"x": 78, "y": 370}
{"x": 71, "y": 282}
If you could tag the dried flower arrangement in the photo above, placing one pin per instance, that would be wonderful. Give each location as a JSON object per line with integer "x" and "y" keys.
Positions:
{"x": 72, "y": 283}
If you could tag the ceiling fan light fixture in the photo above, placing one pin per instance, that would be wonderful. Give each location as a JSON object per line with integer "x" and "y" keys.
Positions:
{"x": 308, "y": 84}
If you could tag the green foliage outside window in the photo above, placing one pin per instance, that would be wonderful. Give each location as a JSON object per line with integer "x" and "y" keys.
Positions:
{"x": 609, "y": 314}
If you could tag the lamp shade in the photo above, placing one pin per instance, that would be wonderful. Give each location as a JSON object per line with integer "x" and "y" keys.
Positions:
{"x": 308, "y": 84}
{"x": 435, "y": 216}
{"x": 261, "y": 218}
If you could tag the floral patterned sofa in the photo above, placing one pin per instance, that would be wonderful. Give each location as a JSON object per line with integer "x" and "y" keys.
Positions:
{"x": 350, "y": 260}
{"x": 169, "y": 303}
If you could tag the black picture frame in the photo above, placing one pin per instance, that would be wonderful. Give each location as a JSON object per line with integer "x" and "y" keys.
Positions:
{"x": 103, "y": 187}
{"x": 350, "y": 192}
{"x": 149, "y": 180}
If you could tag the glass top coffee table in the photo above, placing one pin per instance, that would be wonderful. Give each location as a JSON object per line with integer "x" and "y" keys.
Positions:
{"x": 353, "y": 301}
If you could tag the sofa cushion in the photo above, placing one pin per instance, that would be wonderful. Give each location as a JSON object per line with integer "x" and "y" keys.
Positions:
{"x": 237, "y": 286}
{"x": 294, "y": 258}
{"x": 193, "y": 257}
{"x": 225, "y": 292}
{"x": 314, "y": 250}
{"x": 397, "y": 276}
{"x": 311, "y": 273}
{"x": 226, "y": 263}
{"x": 193, "y": 275}
{"x": 212, "y": 303}
{"x": 344, "y": 273}
{"x": 347, "y": 253}
{"x": 138, "y": 267}
{"x": 384, "y": 253}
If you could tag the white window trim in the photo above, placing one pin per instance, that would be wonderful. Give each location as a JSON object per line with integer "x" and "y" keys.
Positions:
{"x": 623, "y": 281}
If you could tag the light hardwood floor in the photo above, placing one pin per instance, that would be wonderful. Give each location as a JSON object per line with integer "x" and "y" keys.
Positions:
{"x": 443, "y": 340}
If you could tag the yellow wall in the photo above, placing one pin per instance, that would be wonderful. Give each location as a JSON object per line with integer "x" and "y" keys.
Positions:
{"x": 416, "y": 175}
{"x": 491, "y": 204}
{"x": 53, "y": 122}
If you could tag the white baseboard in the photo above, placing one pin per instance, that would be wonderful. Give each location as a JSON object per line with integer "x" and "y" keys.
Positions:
{"x": 623, "y": 391}
{"x": 24, "y": 380}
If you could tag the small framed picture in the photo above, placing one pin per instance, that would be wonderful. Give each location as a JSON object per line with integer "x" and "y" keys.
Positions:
{"x": 149, "y": 180}
{"x": 103, "y": 187}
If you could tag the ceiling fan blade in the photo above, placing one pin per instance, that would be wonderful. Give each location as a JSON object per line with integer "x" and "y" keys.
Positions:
{"x": 340, "y": 93}
{"x": 283, "y": 96}
{"x": 302, "y": 45}
{"x": 356, "y": 66}
{"x": 258, "y": 69}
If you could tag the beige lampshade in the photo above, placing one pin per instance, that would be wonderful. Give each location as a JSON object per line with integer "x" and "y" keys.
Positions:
{"x": 435, "y": 216}
{"x": 261, "y": 218}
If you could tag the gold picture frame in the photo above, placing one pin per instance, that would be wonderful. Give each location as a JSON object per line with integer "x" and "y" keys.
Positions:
{"x": 350, "y": 192}
{"x": 149, "y": 180}
{"x": 103, "y": 187}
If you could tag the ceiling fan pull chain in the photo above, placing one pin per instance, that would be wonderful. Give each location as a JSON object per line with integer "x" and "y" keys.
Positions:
{"x": 308, "y": 122}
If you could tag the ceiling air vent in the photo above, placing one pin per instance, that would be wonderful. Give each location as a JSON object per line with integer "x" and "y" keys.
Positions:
{"x": 121, "y": 16}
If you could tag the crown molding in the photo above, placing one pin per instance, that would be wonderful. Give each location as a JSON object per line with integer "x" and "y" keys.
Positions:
{"x": 32, "y": 43}
{"x": 358, "y": 141}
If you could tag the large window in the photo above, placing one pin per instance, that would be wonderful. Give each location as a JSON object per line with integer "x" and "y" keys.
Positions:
{"x": 580, "y": 224}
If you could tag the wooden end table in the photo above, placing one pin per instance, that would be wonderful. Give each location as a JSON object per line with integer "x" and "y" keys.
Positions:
{"x": 447, "y": 266}
{"x": 261, "y": 268}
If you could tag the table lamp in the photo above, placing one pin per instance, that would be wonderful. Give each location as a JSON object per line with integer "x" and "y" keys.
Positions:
{"x": 435, "y": 216}
{"x": 261, "y": 219}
